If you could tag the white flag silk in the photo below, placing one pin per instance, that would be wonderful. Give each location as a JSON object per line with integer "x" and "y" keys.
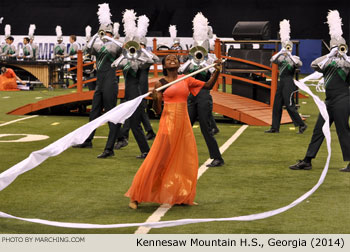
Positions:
{"x": 119, "y": 114}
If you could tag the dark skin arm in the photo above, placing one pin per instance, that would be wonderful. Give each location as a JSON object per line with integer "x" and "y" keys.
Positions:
{"x": 157, "y": 98}
{"x": 211, "y": 82}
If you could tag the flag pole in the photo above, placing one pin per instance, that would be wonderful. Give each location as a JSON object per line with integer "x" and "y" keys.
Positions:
{"x": 185, "y": 77}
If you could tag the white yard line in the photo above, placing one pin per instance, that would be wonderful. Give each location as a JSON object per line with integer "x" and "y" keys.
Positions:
{"x": 17, "y": 120}
{"x": 161, "y": 211}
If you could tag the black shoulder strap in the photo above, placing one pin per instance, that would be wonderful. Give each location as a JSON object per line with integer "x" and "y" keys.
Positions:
{"x": 163, "y": 82}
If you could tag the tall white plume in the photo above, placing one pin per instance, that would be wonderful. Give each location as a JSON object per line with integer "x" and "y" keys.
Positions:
{"x": 172, "y": 31}
{"x": 32, "y": 28}
{"x": 2, "y": 18}
{"x": 200, "y": 27}
{"x": 129, "y": 20}
{"x": 116, "y": 26}
{"x": 88, "y": 31}
{"x": 142, "y": 26}
{"x": 104, "y": 14}
{"x": 334, "y": 24}
{"x": 7, "y": 30}
{"x": 285, "y": 30}
{"x": 58, "y": 31}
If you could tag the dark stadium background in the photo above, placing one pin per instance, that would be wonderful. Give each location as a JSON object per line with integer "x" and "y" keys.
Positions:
{"x": 307, "y": 17}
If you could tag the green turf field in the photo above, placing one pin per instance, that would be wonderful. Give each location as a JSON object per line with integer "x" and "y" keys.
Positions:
{"x": 77, "y": 187}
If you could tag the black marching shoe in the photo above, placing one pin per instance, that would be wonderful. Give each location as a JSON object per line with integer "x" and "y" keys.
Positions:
{"x": 215, "y": 131}
{"x": 150, "y": 135}
{"x": 302, "y": 129}
{"x": 301, "y": 165}
{"x": 143, "y": 155}
{"x": 120, "y": 144}
{"x": 83, "y": 145}
{"x": 346, "y": 169}
{"x": 216, "y": 162}
{"x": 106, "y": 154}
{"x": 272, "y": 131}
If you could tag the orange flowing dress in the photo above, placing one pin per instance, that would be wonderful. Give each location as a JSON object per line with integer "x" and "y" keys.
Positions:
{"x": 169, "y": 172}
{"x": 8, "y": 81}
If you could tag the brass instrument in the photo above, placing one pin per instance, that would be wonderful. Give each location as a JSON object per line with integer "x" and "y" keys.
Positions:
{"x": 289, "y": 47}
{"x": 132, "y": 50}
{"x": 199, "y": 54}
{"x": 343, "y": 48}
{"x": 101, "y": 33}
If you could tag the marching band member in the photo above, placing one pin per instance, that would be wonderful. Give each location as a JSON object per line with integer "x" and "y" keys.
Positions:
{"x": 287, "y": 64}
{"x": 133, "y": 62}
{"x": 74, "y": 47}
{"x": 201, "y": 105}
{"x": 142, "y": 75}
{"x": 105, "y": 95}
{"x": 335, "y": 67}
{"x": 33, "y": 45}
{"x": 9, "y": 49}
{"x": 176, "y": 41}
{"x": 27, "y": 50}
{"x": 60, "y": 48}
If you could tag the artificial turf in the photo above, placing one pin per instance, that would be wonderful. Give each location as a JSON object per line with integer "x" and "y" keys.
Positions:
{"x": 77, "y": 187}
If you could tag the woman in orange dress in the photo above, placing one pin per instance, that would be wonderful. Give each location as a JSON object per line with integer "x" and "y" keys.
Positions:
{"x": 169, "y": 172}
{"x": 8, "y": 80}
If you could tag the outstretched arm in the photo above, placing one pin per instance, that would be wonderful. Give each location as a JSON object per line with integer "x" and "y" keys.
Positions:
{"x": 211, "y": 82}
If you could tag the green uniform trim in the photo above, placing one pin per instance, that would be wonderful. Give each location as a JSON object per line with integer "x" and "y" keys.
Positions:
{"x": 58, "y": 50}
{"x": 331, "y": 70}
{"x": 195, "y": 68}
{"x": 103, "y": 56}
{"x": 4, "y": 48}
{"x": 285, "y": 66}
{"x": 25, "y": 51}
{"x": 127, "y": 69}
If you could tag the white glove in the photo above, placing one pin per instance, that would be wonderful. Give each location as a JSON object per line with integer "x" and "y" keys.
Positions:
{"x": 333, "y": 52}
{"x": 92, "y": 41}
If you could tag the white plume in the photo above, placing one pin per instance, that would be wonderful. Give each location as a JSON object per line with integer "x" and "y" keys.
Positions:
{"x": 58, "y": 31}
{"x": 142, "y": 26}
{"x": 104, "y": 14}
{"x": 32, "y": 28}
{"x": 2, "y": 18}
{"x": 172, "y": 31}
{"x": 129, "y": 20}
{"x": 200, "y": 27}
{"x": 7, "y": 30}
{"x": 285, "y": 30}
{"x": 116, "y": 26}
{"x": 334, "y": 24}
{"x": 88, "y": 31}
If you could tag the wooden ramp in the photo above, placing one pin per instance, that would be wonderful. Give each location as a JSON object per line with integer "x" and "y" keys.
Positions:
{"x": 245, "y": 110}
{"x": 239, "y": 108}
{"x": 61, "y": 104}
{"x": 64, "y": 104}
